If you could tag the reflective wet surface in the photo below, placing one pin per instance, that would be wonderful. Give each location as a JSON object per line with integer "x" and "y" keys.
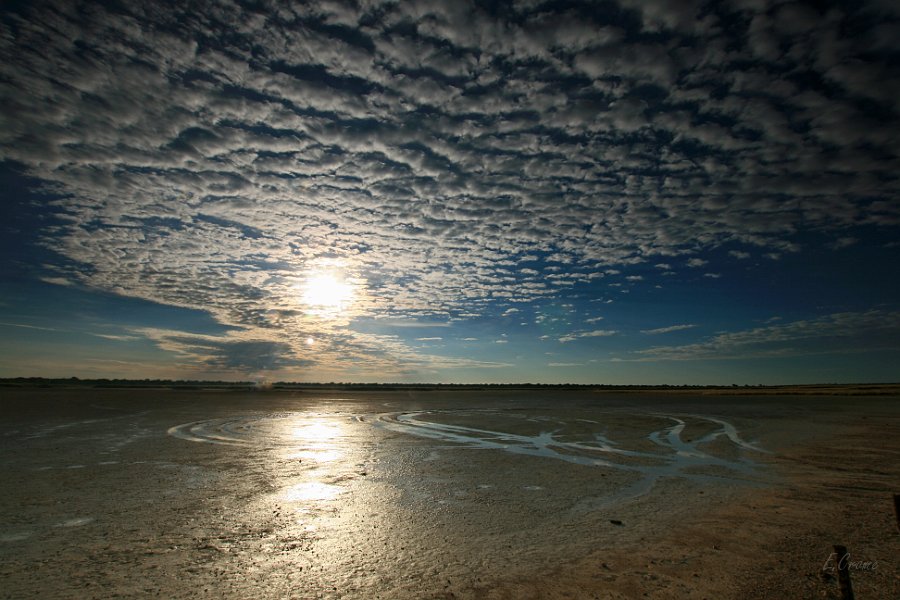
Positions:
{"x": 370, "y": 495}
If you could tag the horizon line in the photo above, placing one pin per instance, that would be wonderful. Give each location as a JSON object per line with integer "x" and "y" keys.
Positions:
{"x": 262, "y": 384}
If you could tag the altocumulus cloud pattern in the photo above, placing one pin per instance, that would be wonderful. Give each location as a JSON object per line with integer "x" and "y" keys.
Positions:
{"x": 450, "y": 158}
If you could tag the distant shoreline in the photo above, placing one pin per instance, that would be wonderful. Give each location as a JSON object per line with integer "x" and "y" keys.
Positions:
{"x": 831, "y": 389}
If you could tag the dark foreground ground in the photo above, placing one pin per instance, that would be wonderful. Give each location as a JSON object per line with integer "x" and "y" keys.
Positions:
{"x": 445, "y": 494}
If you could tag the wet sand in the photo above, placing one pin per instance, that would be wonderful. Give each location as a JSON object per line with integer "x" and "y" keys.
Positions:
{"x": 444, "y": 494}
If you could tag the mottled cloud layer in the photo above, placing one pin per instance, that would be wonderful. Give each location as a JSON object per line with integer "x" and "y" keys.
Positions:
{"x": 446, "y": 158}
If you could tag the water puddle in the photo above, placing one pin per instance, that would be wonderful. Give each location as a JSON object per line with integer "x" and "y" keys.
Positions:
{"x": 312, "y": 491}
{"x": 718, "y": 453}
{"x": 647, "y": 445}
{"x": 75, "y": 522}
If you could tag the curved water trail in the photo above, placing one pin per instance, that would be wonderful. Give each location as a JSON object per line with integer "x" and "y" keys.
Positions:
{"x": 677, "y": 457}
{"x": 259, "y": 430}
{"x": 210, "y": 432}
{"x": 717, "y": 453}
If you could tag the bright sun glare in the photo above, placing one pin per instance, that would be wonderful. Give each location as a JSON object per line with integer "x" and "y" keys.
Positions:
{"x": 316, "y": 432}
{"x": 327, "y": 292}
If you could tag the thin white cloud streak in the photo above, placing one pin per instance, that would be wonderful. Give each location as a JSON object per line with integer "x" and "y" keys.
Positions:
{"x": 668, "y": 329}
{"x": 23, "y": 326}
{"x": 571, "y": 337}
{"x": 411, "y": 324}
{"x": 116, "y": 338}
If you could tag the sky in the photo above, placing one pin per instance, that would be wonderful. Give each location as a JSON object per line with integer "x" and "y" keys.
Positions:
{"x": 619, "y": 192}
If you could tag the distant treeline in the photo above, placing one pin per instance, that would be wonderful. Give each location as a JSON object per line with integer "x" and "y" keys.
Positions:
{"x": 256, "y": 385}
{"x": 124, "y": 383}
{"x": 294, "y": 385}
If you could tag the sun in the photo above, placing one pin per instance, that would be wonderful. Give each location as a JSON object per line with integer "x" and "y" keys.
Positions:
{"x": 327, "y": 292}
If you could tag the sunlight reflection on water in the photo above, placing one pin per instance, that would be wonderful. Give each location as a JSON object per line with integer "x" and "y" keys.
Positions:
{"x": 318, "y": 431}
{"x": 316, "y": 454}
{"x": 311, "y": 491}
{"x": 357, "y": 498}
{"x": 315, "y": 440}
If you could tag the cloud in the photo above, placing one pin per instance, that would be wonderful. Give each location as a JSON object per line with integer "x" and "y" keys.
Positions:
{"x": 668, "y": 329}
{"x": 24, "y": 326}
{"x": 56, "y": 281}
{"x": 212, "y": 353}
{"x": 116, "y": 338}
{"x": 660, "y": 15}
{"x": 830, "y": 334}
{"x": 564, "y": 364}
{"x": 587, "y": 334}
{"x": 845, "y": 242}
{"x": 210, "y": 158}
{"x": 429, "y": 339}
{"x": 404, "y": 324}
